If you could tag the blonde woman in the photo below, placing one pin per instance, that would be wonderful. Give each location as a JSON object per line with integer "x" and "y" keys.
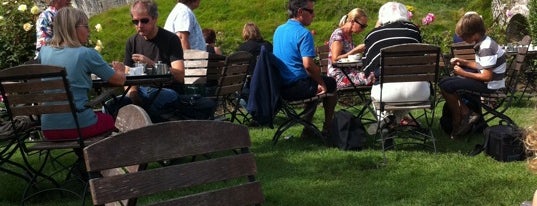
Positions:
{"x": 341, "y": 46}
{"x": 71, "y": 32}
{"x": 531, "y": 151}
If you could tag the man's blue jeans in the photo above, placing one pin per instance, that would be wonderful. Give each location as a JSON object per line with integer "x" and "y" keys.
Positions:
{"x": 158, "y": 102}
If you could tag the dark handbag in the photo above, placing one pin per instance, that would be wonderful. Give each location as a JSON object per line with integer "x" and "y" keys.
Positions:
{"x": 503, "y": 142}
{"x": 347, "y": 131}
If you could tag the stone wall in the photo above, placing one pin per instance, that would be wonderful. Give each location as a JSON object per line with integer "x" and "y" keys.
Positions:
{"x": 503, "y": 10}
{"x": 92, "y": 7}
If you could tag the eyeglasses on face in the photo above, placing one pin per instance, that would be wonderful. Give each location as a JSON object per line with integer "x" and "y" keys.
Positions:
{"x": 83, "y": 25}
{"x": 308, "y": 10}
{"x": 144, "y": 21}
{"x": 362, "y": 26}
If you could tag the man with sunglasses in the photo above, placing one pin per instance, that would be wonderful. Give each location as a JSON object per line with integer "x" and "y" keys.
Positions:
{"x": 148, "y": 46}
{"x": 301, "y": 77}
{"x": 182, "y": 21}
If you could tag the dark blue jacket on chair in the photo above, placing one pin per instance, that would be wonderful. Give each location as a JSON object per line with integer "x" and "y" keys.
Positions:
{"x": 264, "y": 98}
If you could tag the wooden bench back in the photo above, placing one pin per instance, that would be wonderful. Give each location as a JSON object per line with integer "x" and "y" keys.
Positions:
{"x": 202, "y": 67}
{"x": 230, "y": 164}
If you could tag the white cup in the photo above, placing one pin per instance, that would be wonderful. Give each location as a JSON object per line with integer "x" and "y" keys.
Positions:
{"x": 136, "y": 71}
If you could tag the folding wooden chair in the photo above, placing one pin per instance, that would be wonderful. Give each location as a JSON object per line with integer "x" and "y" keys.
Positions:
{"x": 230, "y": 85}
{"x": 322, "y": 55}
{"x": 295, "y": 111}
{"x": 33, "y": 90}
{"x": 349, "y": 96}
{"x": 265, "y": 102}
{"x": 8, "y": 148}
{"x": 463, "y": 50}
{"x": 495, "y": 104}
{"x": 413, "y": 62}
{"x": 228, "y": 178}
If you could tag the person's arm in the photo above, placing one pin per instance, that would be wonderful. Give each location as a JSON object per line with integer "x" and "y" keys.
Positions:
{"x": 118, "y": 78}
{"x": 178, "y": 71}
{"x": 183, "y": 36}
{"x": 484, "y": 75}
{"x": 217, "y": 50}
{"x": 337, "y": 50}
{"x": 315, "y": 73}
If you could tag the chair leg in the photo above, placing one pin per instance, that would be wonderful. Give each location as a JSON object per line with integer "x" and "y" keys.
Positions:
{"x": 293, "y": 118}
{"x": 38, "y": 174}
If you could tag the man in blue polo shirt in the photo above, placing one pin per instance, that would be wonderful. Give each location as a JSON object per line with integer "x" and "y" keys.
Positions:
{"x": 301, "y": 77}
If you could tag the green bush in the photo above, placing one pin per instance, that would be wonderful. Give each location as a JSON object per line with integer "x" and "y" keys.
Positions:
{"x": 17, "y": 39}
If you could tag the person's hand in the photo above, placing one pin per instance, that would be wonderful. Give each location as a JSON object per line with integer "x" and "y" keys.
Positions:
{"x": 321, "y": 89}
{"x": 457, "y": 70}
{"x": 118, "y": 66}
{"x": 457, "y": 61}
{"x": 140, "y": 58}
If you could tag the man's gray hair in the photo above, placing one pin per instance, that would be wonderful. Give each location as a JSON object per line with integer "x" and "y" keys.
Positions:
{"x": 393, "y": 12}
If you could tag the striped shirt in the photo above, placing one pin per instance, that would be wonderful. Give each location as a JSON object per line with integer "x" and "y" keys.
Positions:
{"x": 492, "y": 57}
{"x": 384, "y": 36}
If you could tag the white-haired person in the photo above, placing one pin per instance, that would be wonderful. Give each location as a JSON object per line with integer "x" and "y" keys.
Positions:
{"x": 341, "y": 46}
{"x": 393, "y": 28}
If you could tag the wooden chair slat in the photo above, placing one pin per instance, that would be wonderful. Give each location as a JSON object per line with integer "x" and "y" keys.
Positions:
{"x": 170, "y": 144}
{"x": 43, "y": 109}
{"x": 61, "y": 98}
{"x": 171, "y": 177}
{"x": 246, "y": 194}
{"x": 34, "y": 86}
{"x": 195, "y": 80}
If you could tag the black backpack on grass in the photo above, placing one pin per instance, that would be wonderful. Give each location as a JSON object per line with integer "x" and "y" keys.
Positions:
{"x": 347, "y": 131}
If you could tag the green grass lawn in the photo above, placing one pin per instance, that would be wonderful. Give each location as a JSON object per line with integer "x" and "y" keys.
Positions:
{"x": 304, "y": 172}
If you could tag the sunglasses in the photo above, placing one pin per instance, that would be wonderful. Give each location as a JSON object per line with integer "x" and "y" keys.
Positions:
{"x": 83, "y": 25}
{"x": 362, "y": 26}
{"x": 308, "y": 10}
{"x": 144, "y": 21}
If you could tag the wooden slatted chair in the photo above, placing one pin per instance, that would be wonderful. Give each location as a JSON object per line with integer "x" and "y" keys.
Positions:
{"x": 233, "y": 171}
{"x": 34, "y": 90}
{"x": 202, "y": 70}
{"x": 350, "y": 96}
{"x": 322, "y": 55}
{"x": 265, "y": 101}
{"x": 495, "y": 104}
{"x": 414, "y": 62}
{"x": 463, "y": 50}
{"x": 230, "y": 84}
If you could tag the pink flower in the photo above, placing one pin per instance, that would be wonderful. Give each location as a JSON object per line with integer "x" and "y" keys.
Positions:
{"x": 428, "y": 19}
{"x": 410, "y": 15}
{"x": 508, "y": 13}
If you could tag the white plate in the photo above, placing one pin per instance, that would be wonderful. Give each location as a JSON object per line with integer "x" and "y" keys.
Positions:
{"x": 348, "y": 61}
